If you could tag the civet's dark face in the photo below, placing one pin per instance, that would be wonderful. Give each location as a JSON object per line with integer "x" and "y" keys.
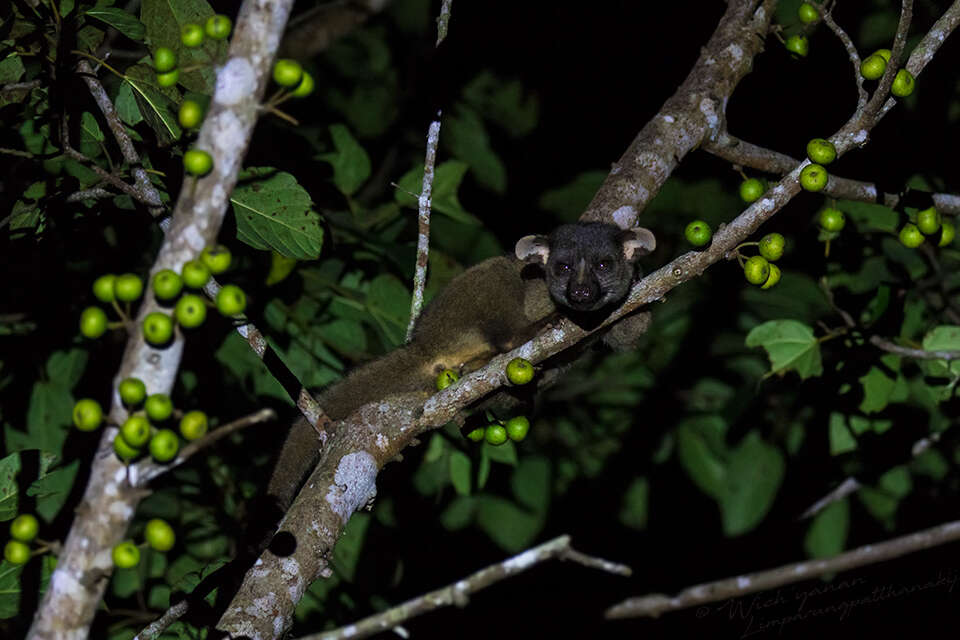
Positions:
{"x": 588, "y": 266}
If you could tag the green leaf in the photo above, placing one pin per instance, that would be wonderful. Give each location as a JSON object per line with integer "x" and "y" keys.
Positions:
{"x": 504, "y": 103}
{"x": 465, "y": 136}
{"x": 504, "y": 453}
{"x": 120, "y": 20}
{"x": 531, "y": 483}
{"x": 389, "y": 303}
{"x": 127, "y": 107}
{"x": 753, "y": 479}
{"x": 9, "y": 590}
{"x": 347, "y": 335}
{"x": 569, "y": 200}
{"x": 460, "y": 472}
{"x": 9, "y": 490}
{"x": 911, "y": 259}
{"x": 53, "y": 489}
{"x": 274, "y": 212}
{"x": 346, "y": 554}
{"x": 483, "y": 471}
{"x": 49, "y": 416}
{"x": 827, "y": 535}
{"x": 841, "y": 440}
{"x": 875, "y": 309}
{"x": 880, "y": 504}
{"x": 873, "y": 272}
{"x": 459, "y": 513}
{"x": 789, "y": 345}
{"x": 126, "y": 582}
{"x": 155, "y": 106}
{"x": 871, "y": 217}
{"x": 704, "y": 199}
{"x": 635, "y": 506}
{"x": 351, "y": 164}
{"x": 942, "y": 338}
{"x": 914, "y": 319}
{"x": 879, "y": 388}
{"x": 709, "y": 395}
{"x": 67, "y": 367}
{"x": 369, "y": 108}
{"x": 930, "y": 463}
{"x": 11, "y": 69}
{"x": 165, "y": 20}
{"x": 797, "y": 296}
{"x": 237, "y": 358}
{"x": 446, "y": 182}
{"x": 89, "y": 38}
{"x": 897, "y": 481}
{"x": 436, "y": 448}
{"x": 509, "y": 526}
{"x": 702, "y": 452}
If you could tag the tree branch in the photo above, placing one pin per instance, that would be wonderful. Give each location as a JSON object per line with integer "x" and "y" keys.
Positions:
{"x": 656, "y": 604}
{"x": 345, "y": 478}
{"x": 109, "y": 501}
{"x": 458, "y": 593}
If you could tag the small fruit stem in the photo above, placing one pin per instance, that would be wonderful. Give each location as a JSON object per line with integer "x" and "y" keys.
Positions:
{"x": 282, "y": 115}
{"x": 833, "y": 333}
{"x": 826, "y": 248}
{"x": 116, "y": 307}
{"x": 98, "y": 61}
{"x": 275, "y": 99}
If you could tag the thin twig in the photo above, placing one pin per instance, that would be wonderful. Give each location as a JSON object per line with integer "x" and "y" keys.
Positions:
{"x": 158, "y": 626}
{"x": 657, "y": 604}
{"x": 443, "y": 21}
{"x": 847, "y": 487}
{"x": 147, "y": 470}
{"x": 423, "y": 225}
{"x": 917, "y": 354}
{"x": 458, "y": 593}
{"x": 148, "y": 194}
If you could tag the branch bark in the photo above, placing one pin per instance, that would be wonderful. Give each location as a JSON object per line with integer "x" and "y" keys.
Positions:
{"x": 356, "y": 449}
{"x": 110, "y": 500}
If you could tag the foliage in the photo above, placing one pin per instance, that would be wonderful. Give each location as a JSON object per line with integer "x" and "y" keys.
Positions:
{"x": 723, "y": 405}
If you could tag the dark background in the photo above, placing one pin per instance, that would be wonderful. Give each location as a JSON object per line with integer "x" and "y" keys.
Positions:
{"x": 600, "y": 71}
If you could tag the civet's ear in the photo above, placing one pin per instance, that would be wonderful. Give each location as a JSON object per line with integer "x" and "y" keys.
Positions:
{"x": 533, "y": 249}
{"x": 638, "y": 242}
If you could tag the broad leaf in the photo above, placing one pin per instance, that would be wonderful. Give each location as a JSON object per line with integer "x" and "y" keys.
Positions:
{"x": 351, "y": 164}
{"x": 446, "y": 182}
{"x": 465, "y": 136}
{"x": 507, "y": 524}
{"x": 460, "y": 472}
{"x": 274, "y": 212}
{"x": 790, "y": 346}
{"x": 636, "y": 504}
{"x": 753, "y": 478}
{"x": 827, "y": 535}
{"x": 120, "y": 20}
{"x": 156, "y": 107}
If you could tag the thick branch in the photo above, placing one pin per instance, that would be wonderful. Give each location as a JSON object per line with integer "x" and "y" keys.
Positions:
{"x": 693, "y": 114}
{"x": 109, "y": 500}
{"x": 345, "y": 478}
